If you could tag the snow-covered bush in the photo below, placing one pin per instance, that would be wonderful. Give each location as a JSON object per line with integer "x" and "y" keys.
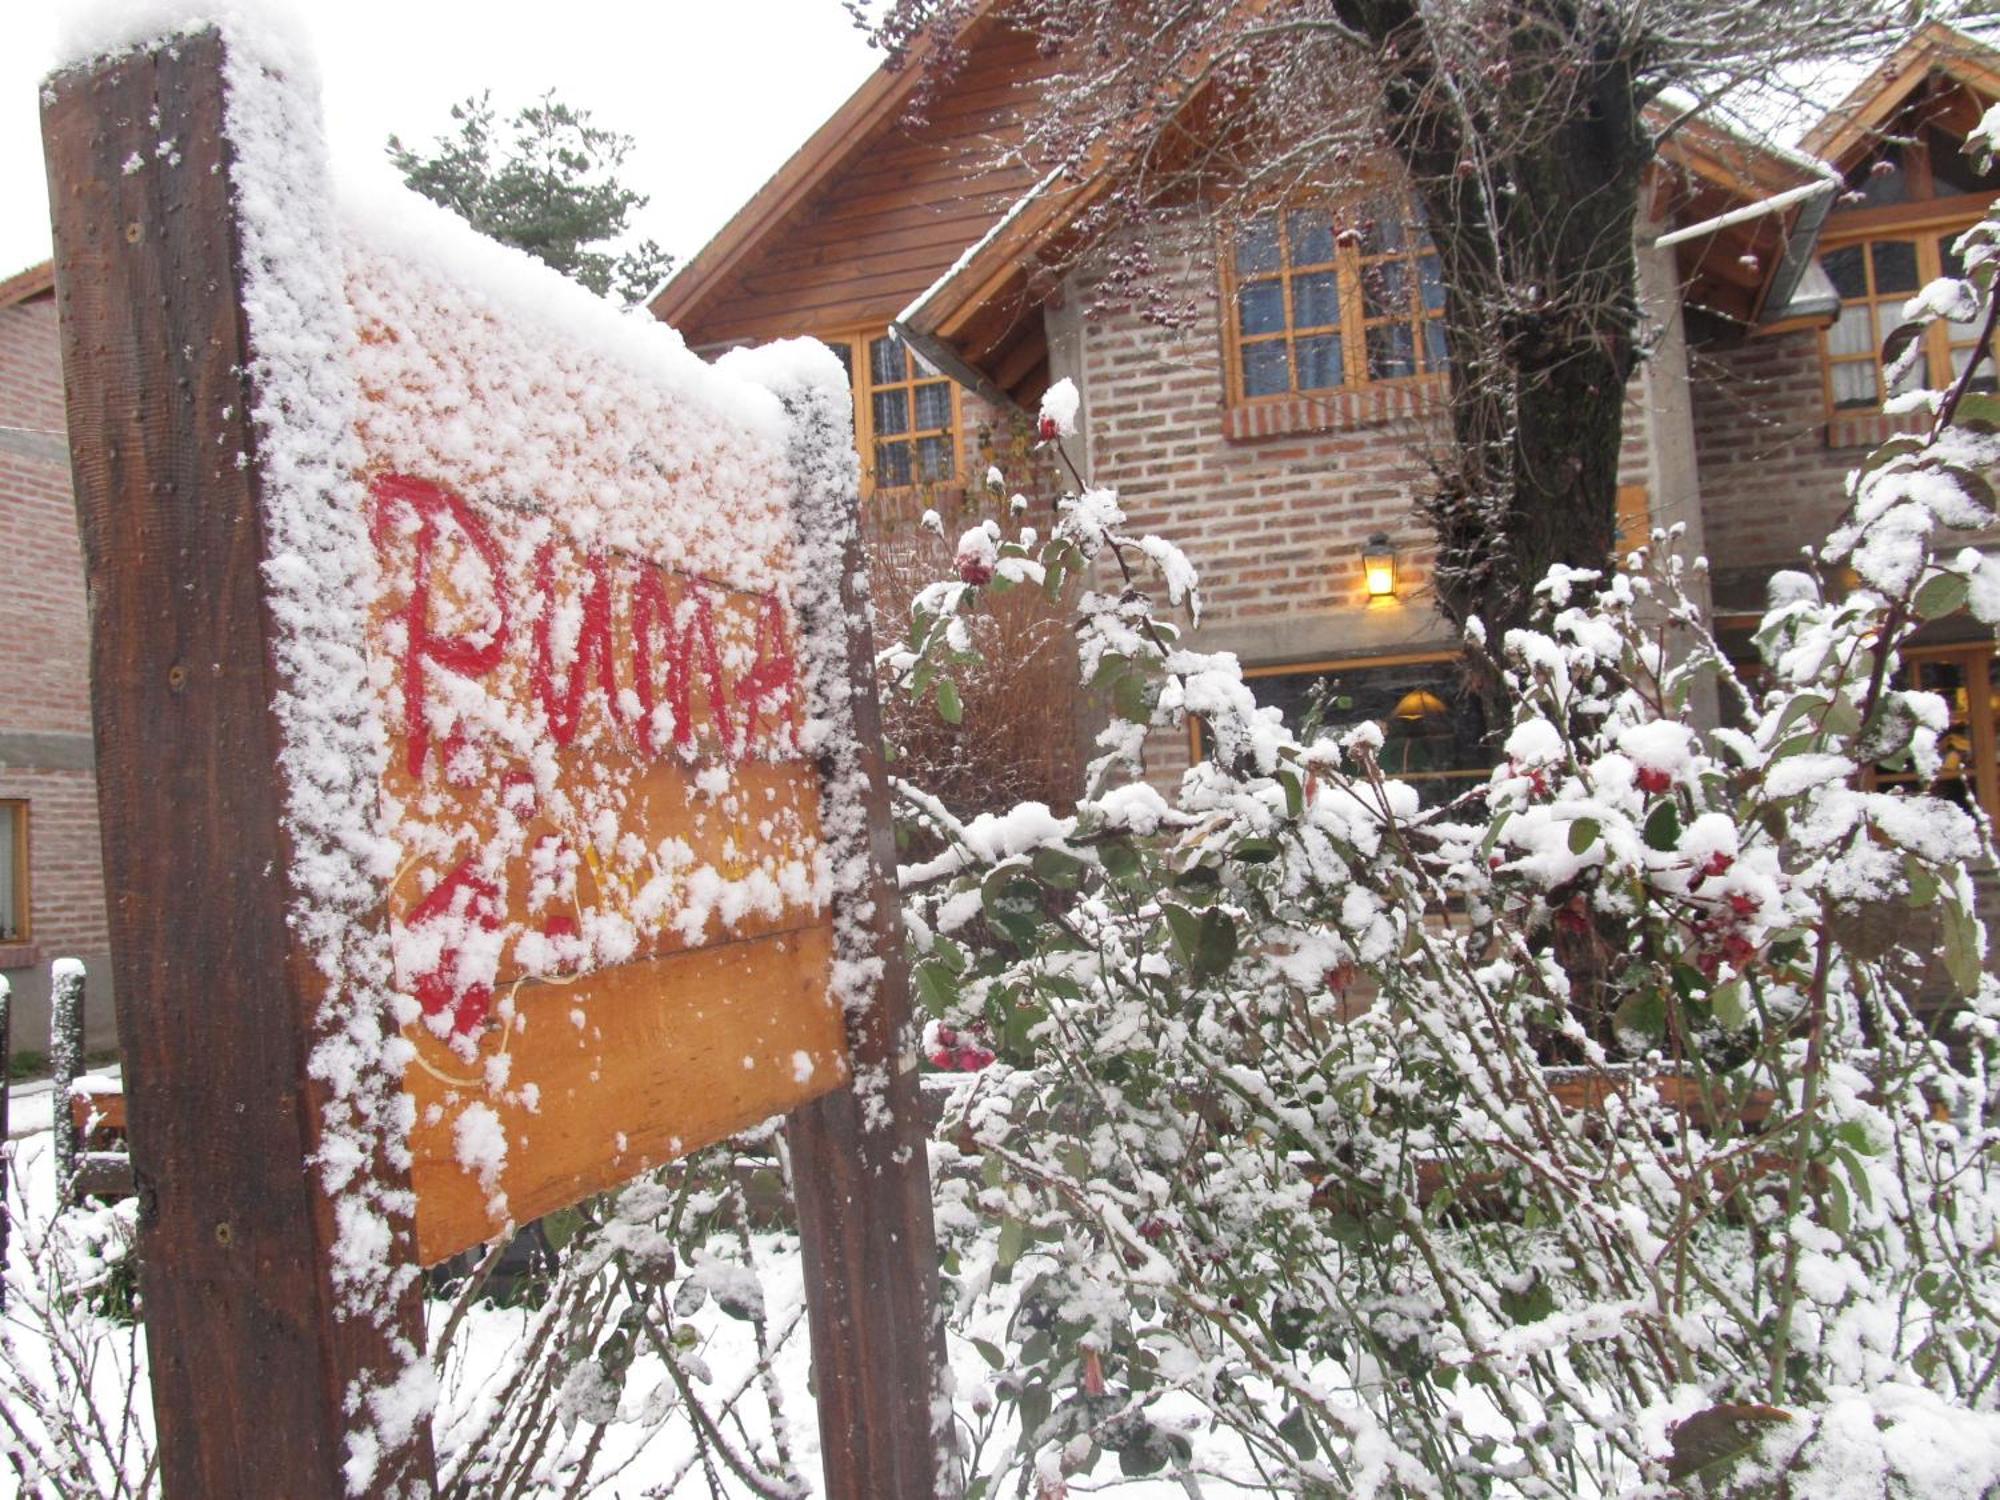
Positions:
{"x": 1582, "y": 1136}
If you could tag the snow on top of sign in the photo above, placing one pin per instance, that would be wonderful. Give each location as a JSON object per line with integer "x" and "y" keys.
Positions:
{"x": 270, "y": 31}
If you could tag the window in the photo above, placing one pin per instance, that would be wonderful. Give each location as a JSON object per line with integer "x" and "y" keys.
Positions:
{"x": 1964, "y": 677}
{"x": 905, "y": 413}
{"x": 1433, "y": 731}
{"x": 1320, "y": 299}
{"x": 1875, "y": 277}
{"x": 13, "y": 872}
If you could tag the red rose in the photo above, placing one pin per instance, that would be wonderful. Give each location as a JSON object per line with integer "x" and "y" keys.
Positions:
{"x": 1652, "y": 780}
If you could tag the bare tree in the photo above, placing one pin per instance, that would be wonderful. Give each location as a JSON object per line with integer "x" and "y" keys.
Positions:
{"x": 1523, "y": 130}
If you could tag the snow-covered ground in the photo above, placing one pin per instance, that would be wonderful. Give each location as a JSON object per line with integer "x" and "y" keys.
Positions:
{"x": 53, "y": 1349}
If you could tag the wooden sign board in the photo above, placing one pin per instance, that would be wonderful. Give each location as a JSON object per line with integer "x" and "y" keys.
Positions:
{"x": 613, "y": 907}
{"x": 489, "y": 774}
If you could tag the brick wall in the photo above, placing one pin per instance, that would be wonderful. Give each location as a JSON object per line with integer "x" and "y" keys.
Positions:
{"x": 1275, "y": 510}
{"x": 45, "y": 753}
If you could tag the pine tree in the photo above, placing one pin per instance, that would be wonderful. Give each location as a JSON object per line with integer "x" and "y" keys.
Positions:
{"x": 552, "y": 190}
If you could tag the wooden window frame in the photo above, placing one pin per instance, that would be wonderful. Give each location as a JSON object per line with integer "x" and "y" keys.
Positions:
{"x": 1982, "y": 760}
{"x": 859, "y": 343}
{"x": 1349, "y": 264}
{"x": 17, "y": 857}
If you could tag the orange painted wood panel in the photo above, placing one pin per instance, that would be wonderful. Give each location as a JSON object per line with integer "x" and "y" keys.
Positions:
{"x": 634, "y": 1066}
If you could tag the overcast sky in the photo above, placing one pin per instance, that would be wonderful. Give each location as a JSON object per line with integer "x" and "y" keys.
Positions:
{"x": 717, "y": 92}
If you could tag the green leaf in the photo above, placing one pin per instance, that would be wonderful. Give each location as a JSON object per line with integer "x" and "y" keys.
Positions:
{"x": 1582, "y": 834}
{"x": 1941, "y": 594}
{"x": 1062, "y": 870}
{"x": 1119, "y": 858}
{"x": 1714, "y": 1448}
{"x": 1185, "y": 928}
{"x": 1640, "y": 1020}
{"x": 1297, "y": 1431}
{"x": 1726, "y": 1001}
{"x": 937, "y": 987}
{"x": 1295, "y": 794}
{"x": 1663, "y": 826}
{"x": 990, "y": 1352}
{"x": 1013, "y": 1240}
{"x": 950, "y": 709}
{"x": 1132, "y": 698}
{"x": 1961, "y": 947}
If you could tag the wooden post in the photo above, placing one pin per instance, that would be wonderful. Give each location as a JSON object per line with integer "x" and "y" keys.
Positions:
{"x": 66, "y": 978}
{"x": 860, "y": 1174}
{"x": 250, "y": 1356}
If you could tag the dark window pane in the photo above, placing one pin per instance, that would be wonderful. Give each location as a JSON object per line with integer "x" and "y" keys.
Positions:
{"x": 1382, "y": 227}
{"x": 1435, "y": 355}
{"x": 1265, "y": 372}
{"x": 1319, "y": 363}
{"x": 1312, "y": 238}
{"x": 1844, "y": 269}
{"x": 1316, "y": 300}
{"x": 1391, "y": 351}
{"x": 1260, "y": 306}
{"x": 933, "y": 406}
{"x": 845, "y": 354}
{"x": 1430, "y": 275}
{"x": 1432, "y": 729}
{"x": 1895, "y": 266}
{"x": 885, "y": 361}
{"x": 1948, "y": 257}
{"x": 934, "y": 458}
{"x": 1257, "y": 246}
{"x": 892, "y": 465}
{"x": 892, "y": 411}
{"x": 1385, "y": 289}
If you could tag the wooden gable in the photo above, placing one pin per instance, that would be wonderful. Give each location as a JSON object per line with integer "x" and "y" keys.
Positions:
{"x": 877, "y": 206}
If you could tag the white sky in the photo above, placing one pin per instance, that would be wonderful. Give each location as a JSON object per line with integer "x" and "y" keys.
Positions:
{"x": 717, "y": 92}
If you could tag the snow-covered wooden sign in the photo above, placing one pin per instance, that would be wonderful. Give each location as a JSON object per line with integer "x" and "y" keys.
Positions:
{"x": 489, "y": 771}
{"x": 610, "y": 919}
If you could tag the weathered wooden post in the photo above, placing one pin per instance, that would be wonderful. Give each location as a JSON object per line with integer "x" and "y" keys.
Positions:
{"x": 253, "y": 1360}
{"x": 860, "y": 1171}
{"x": 66, "y": 976}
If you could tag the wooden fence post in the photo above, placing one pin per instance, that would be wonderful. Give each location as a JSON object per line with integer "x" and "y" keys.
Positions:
{"x": 252, "y": 1355}
{"x": 860, "y": 1172}
{"x": 66, "y": 983}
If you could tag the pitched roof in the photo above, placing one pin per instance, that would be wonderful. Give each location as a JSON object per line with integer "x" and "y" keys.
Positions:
{"x": 24, "y": 285}
{"x": 1851, "y": 127}
{"x": 870, "y": 110}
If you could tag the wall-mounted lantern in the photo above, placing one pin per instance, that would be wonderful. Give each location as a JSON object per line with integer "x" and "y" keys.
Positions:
{"x": 1378, "y": 567}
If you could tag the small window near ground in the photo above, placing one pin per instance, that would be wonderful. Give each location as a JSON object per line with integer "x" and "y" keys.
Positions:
{"x": 13, "y": 871}
{"x": 1433, "y": 731}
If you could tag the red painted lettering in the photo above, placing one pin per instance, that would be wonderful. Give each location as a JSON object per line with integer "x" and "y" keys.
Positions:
{"x": 467, "y": 655}
{"x": 770, "y": 686}
{"x": 593, "y": 642}
{"x": 463, "y": 896}
{"x": 652, "y": 612}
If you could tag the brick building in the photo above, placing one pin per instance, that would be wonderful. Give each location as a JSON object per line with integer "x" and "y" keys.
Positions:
{"x": 51, "y": 884}
{"x": 1279, "y": 435}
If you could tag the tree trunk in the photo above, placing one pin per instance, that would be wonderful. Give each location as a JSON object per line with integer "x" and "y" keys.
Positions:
{"x": 1529, "y": 171}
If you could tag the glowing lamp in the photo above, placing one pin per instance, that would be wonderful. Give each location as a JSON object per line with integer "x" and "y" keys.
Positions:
{"x": 1378, "y": 567}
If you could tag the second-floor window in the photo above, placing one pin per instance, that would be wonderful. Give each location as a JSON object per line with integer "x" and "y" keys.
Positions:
{"x": 905, "y": 413}
{"x": 1322, "y": 299}
{"x": 1875, "y": 277}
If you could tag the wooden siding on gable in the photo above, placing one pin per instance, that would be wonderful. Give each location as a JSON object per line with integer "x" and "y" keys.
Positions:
{"x": 892, "y": 218}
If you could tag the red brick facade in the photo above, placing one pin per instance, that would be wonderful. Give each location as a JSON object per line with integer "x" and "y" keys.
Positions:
{"x": 45, "y": 748}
